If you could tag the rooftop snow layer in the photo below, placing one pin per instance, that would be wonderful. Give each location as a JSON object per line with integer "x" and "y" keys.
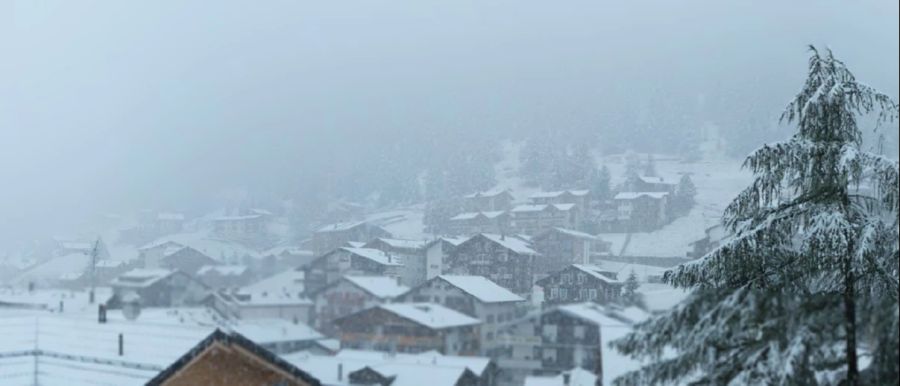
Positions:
{"x": 514, "y": 244}
{"x": 375, "y": 255}
{"x": 634, "y": 195}
{"x": 482, "y": 288}
{"x": 431, "y": 315}
{"x": 380, "y": 286}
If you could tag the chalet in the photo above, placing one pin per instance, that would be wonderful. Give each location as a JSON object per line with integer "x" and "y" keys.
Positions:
{"x": 185, "y": 259}
{"x": 223, "y": 276}
{"x": 277, "y": 259}
{"x": 581, "y": 283}
{"x": 581, "y": 198}
{"x": 713, "y": 238}
{"x": 560, "y": 247}
{"x": 242, "y": 224}
{"x": 488, "y": 201}
{"x": 410, "y": 328}
{"x": 352, "y": 294}
{"x": 331, "y": 266}
{"x": 158, "y": 288}
{"x": 535, "y": 218}
{"x": 479, "y": 222}
{"x": 475, "y": 296}
{"x": 362, "y": 367}
{"x": 641, "y": 211}
{"x": 333, "y": 236}
{"x": 411, "y": 252}
{"x": 231, "y": 359}
{"x": 640, "y": 183}
{"x": 436, "y": 251}
{"x": 280, "y": 296}
{"x": 506, "y": 260}
{"x": 567, "y": 336}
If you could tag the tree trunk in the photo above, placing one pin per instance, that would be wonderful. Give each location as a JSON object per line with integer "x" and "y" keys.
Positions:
{"x": 850, "y": 322}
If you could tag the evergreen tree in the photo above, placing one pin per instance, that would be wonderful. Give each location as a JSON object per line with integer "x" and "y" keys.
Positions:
{"x": 778, "y": 303}
{"x": 683, "y": 199}
{"x": 632, "y": 297}
{"x": 601, "y": 186}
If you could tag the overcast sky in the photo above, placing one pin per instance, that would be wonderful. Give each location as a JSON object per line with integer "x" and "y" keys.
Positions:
{"x": 115, "y": 105}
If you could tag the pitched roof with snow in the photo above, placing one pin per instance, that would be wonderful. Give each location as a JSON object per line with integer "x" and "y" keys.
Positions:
{"x": 601, "y": 315}
{"x": 380, "y": 286}
{"x": 224, "y": 270}
{"x": 634, "y": 195}
{"x": 573, "y": 233}
{"x": 597, "y": 272}
{"x": 473, "y": 215}
{"x": 341, "y": 226}
{"x": 481, "y": 288}
{"x": 401, "y": 243}
{"x": 514, "y": 244}
{"x": 554, "y": 194}
{"x": 374, "y": 255}
{"x": 489, "y": 193}
{"x": 141, "y": 277}
{"x": 431, "y": 315}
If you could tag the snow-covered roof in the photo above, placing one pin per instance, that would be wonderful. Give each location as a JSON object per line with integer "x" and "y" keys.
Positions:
{"x": 85, "y": 352}
{"x": 290, "y": 282}
{"x": 597, "y": 314}
{"x": 528, "y": 208}
{"x": 488, "y": 193}
{"x": 431, "y": 315}
{"x": 514, "y": 244}
{"x": 576, "y": 377}
{"x": 141, "y": 277}
{"x": 554, "y": 194}
{"x": 341, "y": 226}
{"x": 472, "y": 215}
{"x": 596, "y": 271}
{"x": 402, "y": 243}
{"x": 289, "y": 249}
{"x": 268, "y": 331}
{"x": 652, "y": 180}
{"x": 428, "y": 368}
{"x": 380, "y": 286}
{"x": 243, "y": 217}
{"x": 481, "y": 288}
{"x": 224, "y": 270}
{"x": 634, "y": 195}
{"x": 374, "y": 255}
{"x": 573, "y": 233}
{"x": 623, "y": 269}
{"x": 563, "y": 207}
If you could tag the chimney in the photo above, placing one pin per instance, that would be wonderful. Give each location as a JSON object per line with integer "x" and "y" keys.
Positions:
{"x": 101, "y": 314}
{"x": 340, "y": 374}
{"x": 121, "y": 344}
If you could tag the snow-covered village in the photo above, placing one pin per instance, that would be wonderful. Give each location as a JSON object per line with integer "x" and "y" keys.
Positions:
{"x": 449, "y": 194}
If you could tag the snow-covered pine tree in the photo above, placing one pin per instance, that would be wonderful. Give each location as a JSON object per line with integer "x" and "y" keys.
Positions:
{"x": 629, "y": 290}
{"x": 685, "y": 192}
{"x": 815, "y": 243}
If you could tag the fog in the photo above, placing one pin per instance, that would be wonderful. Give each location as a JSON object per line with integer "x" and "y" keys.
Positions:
{"x": 110, "y": 106}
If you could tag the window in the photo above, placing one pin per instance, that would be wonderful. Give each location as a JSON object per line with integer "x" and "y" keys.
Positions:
{"x": 554, "y": 293}
{"x": 592, "y": 294}
{"x": 549, "y": 331}
{"x": 579, "y": 332}
{"x": 563, "y": 293}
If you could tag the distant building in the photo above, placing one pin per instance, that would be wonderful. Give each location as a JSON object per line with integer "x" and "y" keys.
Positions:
{"x": 488, "y": 201}
{"x": 223, "y": 276}
{"x": 231, "y": 359}
{"x": 411, "y": 252}
{"x": 331, "y": 266}
{"x": 713, "y": 239}
{"x": 640, "y": 183}
{"x": 351, "y": 294}
{"x": 158, "y": 288}
{"x": 581, "y": 198}
{"x": 475, "y": 296}
{"x": 410, "y": 328}
{"x": 245, "y": 224}
{"x": 333, "y": 236}
{"x": 506, "y": 260}
{"x": 185, "y": 259}
{"x": 535, "y": 218}
{"x": 560, "y": 247}
{"x": 479, "y": 222}
{"x": 436, "y": 251}
{"x": 641, "y": 211}
{"x": 580, "y": 283}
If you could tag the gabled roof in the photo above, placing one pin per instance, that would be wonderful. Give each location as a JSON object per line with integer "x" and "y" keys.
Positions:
{"x": 597, "y": 272}
{"x": 381, "y": 287}
{"x": 430, "y": 315}
{"x": 141, "y": 277}
{"x": 573, "y": 233}
{"x": 634, "y": 195}
{"x": 652, "y": 180}
{"x": 374, "y": 255}
{"x": 262, "y": 356}
{"x": 341, "y": 226}
{"x": 400, "y": 243}
{"x": 224, "y": 270}
{"x": 580, "y": 192}
{"x": 514, "y": 244}
{"x": 473, "y": 215}
{"x": 489, "y": 193}
{"x": 600, "y": 315}
{"x": 481, "y": 288}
